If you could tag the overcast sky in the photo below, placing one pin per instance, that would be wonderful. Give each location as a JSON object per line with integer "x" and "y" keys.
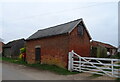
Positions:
{"x": 20, "y": 20}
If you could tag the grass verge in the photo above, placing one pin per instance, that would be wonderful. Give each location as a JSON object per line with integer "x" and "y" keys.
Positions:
{"x": 52, "y": 68}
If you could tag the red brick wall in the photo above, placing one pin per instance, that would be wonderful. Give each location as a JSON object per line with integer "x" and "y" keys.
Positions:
{"x": 80, "y": 44}
{"x": 54, "y": 50}
{"x": 1, "y": 44}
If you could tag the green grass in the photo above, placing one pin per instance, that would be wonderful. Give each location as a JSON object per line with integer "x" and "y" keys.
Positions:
{"x": 117, "y": 67}
{"x": 51, "y": 68}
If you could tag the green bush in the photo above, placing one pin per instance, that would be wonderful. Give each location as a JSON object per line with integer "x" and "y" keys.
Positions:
{"x": 22, "y": 50}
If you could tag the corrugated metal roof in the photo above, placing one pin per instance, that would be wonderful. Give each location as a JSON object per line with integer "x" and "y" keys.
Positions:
{"x": 55, "y": 30}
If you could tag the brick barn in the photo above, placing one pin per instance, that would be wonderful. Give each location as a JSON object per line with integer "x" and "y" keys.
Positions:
{"x": 51, "y": 45}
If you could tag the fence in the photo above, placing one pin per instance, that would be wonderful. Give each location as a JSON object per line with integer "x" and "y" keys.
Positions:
{"x": 101, "y": 66}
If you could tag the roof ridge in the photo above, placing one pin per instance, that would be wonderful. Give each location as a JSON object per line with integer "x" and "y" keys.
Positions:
{"x": 59, "y": 24}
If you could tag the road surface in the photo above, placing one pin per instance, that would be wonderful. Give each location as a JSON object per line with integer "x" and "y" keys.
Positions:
{"x": 12, "y": 71}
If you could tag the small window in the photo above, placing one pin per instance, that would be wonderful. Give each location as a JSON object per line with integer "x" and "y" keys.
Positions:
{"x": 80, "y": 30}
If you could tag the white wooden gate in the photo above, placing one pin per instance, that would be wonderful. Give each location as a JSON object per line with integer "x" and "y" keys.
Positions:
{"x": 102, "y": 66}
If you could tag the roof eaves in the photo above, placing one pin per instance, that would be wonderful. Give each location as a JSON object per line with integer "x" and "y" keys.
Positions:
{"x": 87, "y": 30}
{"x": 45, "y": 36}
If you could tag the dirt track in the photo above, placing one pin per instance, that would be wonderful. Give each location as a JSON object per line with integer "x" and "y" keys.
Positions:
{"x": 19, "y": 72}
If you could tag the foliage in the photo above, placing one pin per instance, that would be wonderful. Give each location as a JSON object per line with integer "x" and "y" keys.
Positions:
{"x": 20, "y": 57}
{"x": 23, "y": 50}
{"x": 51, "y": 68}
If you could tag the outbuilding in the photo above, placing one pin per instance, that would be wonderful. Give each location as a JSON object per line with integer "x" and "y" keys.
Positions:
{"x": 110, "y": 48}
{"x": 12, "y": 48}
{"x": 52, "y": 45}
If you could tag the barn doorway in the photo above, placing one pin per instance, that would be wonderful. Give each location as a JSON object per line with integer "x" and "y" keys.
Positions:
{"x": 37, "y": 54}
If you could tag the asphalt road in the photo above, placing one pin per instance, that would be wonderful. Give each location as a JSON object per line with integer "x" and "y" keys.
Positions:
{"x": 12, "y": 71}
